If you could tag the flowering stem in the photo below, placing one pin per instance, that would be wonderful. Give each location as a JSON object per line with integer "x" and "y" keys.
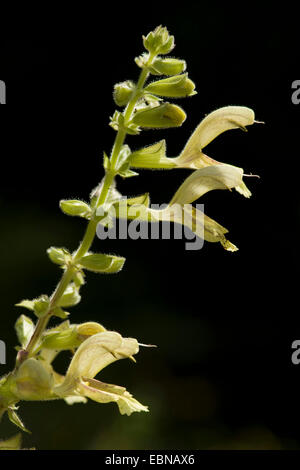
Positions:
{"x": 129, "y": 111}
{"x": 92, "y": 225}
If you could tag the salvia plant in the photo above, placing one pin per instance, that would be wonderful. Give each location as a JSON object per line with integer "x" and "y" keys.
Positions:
{"x": 93, "y": 347}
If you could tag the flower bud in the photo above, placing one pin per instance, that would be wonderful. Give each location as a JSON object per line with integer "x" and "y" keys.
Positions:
{"x": 123, "y": 92}
{"x": 101, "y": 263}
{"x": 178, "y": 86}
{"x": 41, "y": 305}
{"x": 167, "y": 66}
{"x": 159, "y": 41}
{"x": 24, "y": 327}
{"x": 76, "y": 208}
{"x": 58, "y": 255}
{"x": 70, "y": 298}
{"x": 163, "y": 116}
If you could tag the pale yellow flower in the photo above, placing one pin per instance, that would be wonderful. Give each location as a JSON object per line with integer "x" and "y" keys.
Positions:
{"x": 181, "y": 211}
{"x": 192, "y": 156}
{"x": 91, "y": 357}
{"x": 217, "y": 122}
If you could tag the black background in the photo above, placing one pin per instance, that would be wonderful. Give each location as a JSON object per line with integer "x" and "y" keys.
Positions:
{"x": 222, "y": 375}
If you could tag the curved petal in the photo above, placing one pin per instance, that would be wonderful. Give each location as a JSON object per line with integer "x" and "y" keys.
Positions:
{"x": 207, "y": 179}
{"x": 106, "y": 393}
{"x": 199, "y": 223}
{"x": 217, "y": 122}
{"x": 94, "y": 354}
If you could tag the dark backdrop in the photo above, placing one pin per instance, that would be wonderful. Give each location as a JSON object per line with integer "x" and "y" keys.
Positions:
{"x": 222, "y": 375}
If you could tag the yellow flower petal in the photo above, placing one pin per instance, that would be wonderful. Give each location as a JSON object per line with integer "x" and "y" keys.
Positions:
{"x": 207, "y": 179}
{"x": 217, "y": 122}
{"x": 106, "y": 393}
{"x": 94, "y": 354}
{"x": 202, "y": 225}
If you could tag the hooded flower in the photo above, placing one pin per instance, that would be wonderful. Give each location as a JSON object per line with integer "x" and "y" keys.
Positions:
{"x": 217, "y": 122}
{"x": 91, "y": 357}
{"x": 192, "y": 156}
{"x": 181, "y": 211}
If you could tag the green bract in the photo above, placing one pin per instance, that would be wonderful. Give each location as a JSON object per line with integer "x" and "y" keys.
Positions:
{"x": 153, "y": 156}
{"x": 39, "y": 306}
{"x": 24, "y": 328}
{"x": 70, "y": 297}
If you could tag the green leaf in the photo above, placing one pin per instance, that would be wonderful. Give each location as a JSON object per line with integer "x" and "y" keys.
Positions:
{"x": 39, "y": 305}
{"x": 24, "y": 327}
{"x": 101, "y": 263}
{"x": 29, "y": 304}
{"x": 76, "y": 208}
{"x": 13, "y": 443}
{"x": 71, "y": 297}
{"x": 15, "y": 419}
{"x": 160, "y": 117}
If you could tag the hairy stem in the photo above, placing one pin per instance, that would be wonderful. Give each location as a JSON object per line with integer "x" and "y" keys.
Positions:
{"x": 129, "y": 111}
{"x": 92, "y": 225}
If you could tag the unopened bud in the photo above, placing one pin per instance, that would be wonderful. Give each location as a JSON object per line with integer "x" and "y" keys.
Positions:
{"x": 159, "y": 41}
{"x": 76, "y": 208}
{"x": 58, "y": 255}
{"x": 167, "y": 66}
{"x": 178, "y": 86}
{"x": 163, "y": 116}
{"x": 123, "y": 92}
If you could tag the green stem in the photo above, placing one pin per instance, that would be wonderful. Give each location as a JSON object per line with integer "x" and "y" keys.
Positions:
{"x": 43, "y": 322}
{"x": 129, "y": 111}
{"x": 69, "y": 272}
{"x": 92, "y": 225}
